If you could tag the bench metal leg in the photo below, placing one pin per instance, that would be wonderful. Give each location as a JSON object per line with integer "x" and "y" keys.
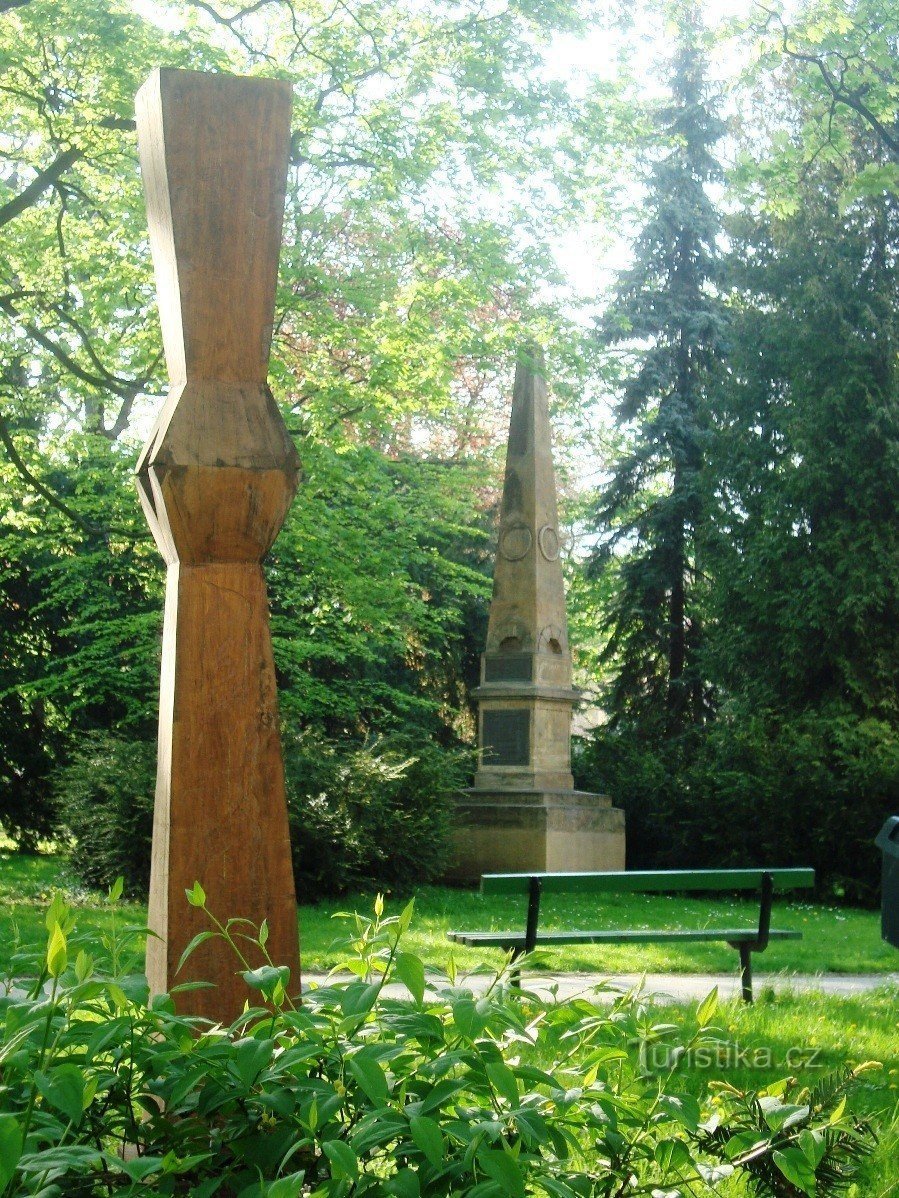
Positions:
{"x": 746, "y": 971}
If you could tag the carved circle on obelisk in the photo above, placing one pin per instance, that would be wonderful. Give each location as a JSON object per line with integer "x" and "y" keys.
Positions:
{"x": 548, "y": 540}
{"x": 514, "y": 542}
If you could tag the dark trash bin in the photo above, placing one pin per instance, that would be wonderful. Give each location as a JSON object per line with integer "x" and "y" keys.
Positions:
{"x": 888, "y": 843}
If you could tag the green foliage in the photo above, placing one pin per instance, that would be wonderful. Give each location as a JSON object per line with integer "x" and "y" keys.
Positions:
{"x": 104, "y": 797}
{"x": 379, "y": 585}
{"x": 794, "y": 640}
{"x": 372, "y": 815}
{"x": 837, "y": 58}
{"x": 436, "y": 1091}
{"x": 760, "y": 788}
{"x": 361, "y": 815}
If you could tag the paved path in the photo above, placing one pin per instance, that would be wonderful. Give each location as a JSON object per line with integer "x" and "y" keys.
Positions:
{"x": 672, "y": 987}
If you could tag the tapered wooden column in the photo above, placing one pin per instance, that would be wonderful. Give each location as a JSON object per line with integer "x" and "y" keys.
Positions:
{"x": 216, "y": 479}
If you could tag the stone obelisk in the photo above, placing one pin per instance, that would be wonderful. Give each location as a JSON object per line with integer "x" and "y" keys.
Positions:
{"x": 523, "y": 812}
{"x": 216, "y": 479}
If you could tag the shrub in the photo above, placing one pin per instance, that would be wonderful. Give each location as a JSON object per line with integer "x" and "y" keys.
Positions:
{"x": 755, "y": 789}
{"x": 27, "y": 813}
{"x": 435, "y": 1092}
{"x": 104, "y": 796}
{"x": 375, "y": 815}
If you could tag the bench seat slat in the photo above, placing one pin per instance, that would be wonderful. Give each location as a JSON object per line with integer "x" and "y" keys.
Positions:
{"x": 622, "y": 936}
{"x": 637, "y": 881}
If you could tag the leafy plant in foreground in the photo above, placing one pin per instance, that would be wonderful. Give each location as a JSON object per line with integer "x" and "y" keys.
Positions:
{"x": 426, "y": 1088}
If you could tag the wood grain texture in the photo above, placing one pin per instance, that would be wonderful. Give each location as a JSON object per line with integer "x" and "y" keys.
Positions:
{"x": 216, "y": 479}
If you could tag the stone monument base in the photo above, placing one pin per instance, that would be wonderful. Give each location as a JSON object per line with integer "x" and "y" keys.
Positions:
{"x": 558, "y": 831}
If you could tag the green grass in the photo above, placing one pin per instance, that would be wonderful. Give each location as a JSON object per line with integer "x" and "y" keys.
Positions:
{"x": 835, "y": 939}
{"x": 808, "y": 1036}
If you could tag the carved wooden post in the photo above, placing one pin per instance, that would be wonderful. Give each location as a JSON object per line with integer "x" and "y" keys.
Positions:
{"x": 216, "y": 479}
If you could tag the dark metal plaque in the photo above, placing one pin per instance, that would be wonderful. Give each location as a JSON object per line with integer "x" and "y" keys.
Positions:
{"x": 509, "y": 667}
{"x": 507, "y": 739}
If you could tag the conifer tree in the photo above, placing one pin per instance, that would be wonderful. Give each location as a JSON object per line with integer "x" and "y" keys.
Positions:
{"x": 650, "y": 516}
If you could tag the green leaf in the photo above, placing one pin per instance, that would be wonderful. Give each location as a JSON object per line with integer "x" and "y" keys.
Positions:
{"x": 504, "y": 1169}
{"x": 10, "y": 1148}
{"x": 57, "y": 956}
{"x": 404, "y": 1184}
{"x": 532, "y": 1126}
{"x": 344, "y": 1161}
{"x": 443, "y": 1091}
{"x": 63, "y": 1089}
{"x": 504, "y": 1081}
{"x": 411, "y": 972}
{"x": 795, "y": 1167}
{"x": 428, "y": 1138}
{"x": 141, "y": 1167}
{"x": 116, "y": 889}
{"x": 558, "y": 1189}
{"x": 712, "y": 1174}
{"x": 707, "y": 1008}
{"x": 358, "y": 998}
{"x": 405, "y": 917}
{"x": 369, "y": 1076}
{"x": 249, "y": 1057}
{"x": 780, "y": 1116}
{"x": 57, "y": 912}
{"x": 469, "y": 1021}
{"x": 683, "y": 1108}
{"x": 196, "y": 896}
{"x": 285, "y": 1187}
{"x": 672, "y": 1155}
{"x": 813, "y": 1146}
{"x": 267, "y": 978}
{"x": 195, "y": 942}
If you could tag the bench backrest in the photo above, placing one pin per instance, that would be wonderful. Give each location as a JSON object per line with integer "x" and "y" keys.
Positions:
{"x": 637, "y": 881}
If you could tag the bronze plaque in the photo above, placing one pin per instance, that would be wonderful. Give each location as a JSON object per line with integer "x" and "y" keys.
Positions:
{"x": 506, "y": 737}
{"x": 509, "y": 667}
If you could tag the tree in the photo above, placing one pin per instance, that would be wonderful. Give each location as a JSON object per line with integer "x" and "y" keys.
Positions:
{"x": 650, "y": 518}
{"x": 804, "y": 606}
{"x": 404, "y": 279}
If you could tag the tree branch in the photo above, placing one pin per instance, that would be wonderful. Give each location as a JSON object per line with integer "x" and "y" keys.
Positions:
{"x": 126, "y": 390}
{"x": 42, "y": 490}
{"x": 841, "y": 94}
{"x": 43, "y": 180}
{"x": 850, "y": 98}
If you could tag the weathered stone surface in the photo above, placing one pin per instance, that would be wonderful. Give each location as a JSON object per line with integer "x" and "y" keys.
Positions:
{"x": 544, "y": 831}
{"x": 523, "y": 812}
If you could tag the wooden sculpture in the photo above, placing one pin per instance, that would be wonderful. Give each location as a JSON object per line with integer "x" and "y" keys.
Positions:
{"x": 216, "y": 479}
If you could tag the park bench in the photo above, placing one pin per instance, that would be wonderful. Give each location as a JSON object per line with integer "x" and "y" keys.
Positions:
{"x": 746, "y": 940}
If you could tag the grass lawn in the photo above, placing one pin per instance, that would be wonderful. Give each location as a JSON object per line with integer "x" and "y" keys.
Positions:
{"x": 835, "y": 939}
{"x": 809, "y": 1036}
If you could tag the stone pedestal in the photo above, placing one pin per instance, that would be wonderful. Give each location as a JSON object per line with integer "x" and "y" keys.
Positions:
{"x": 523, "y": 812}
{"x": 551, "y": 831}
